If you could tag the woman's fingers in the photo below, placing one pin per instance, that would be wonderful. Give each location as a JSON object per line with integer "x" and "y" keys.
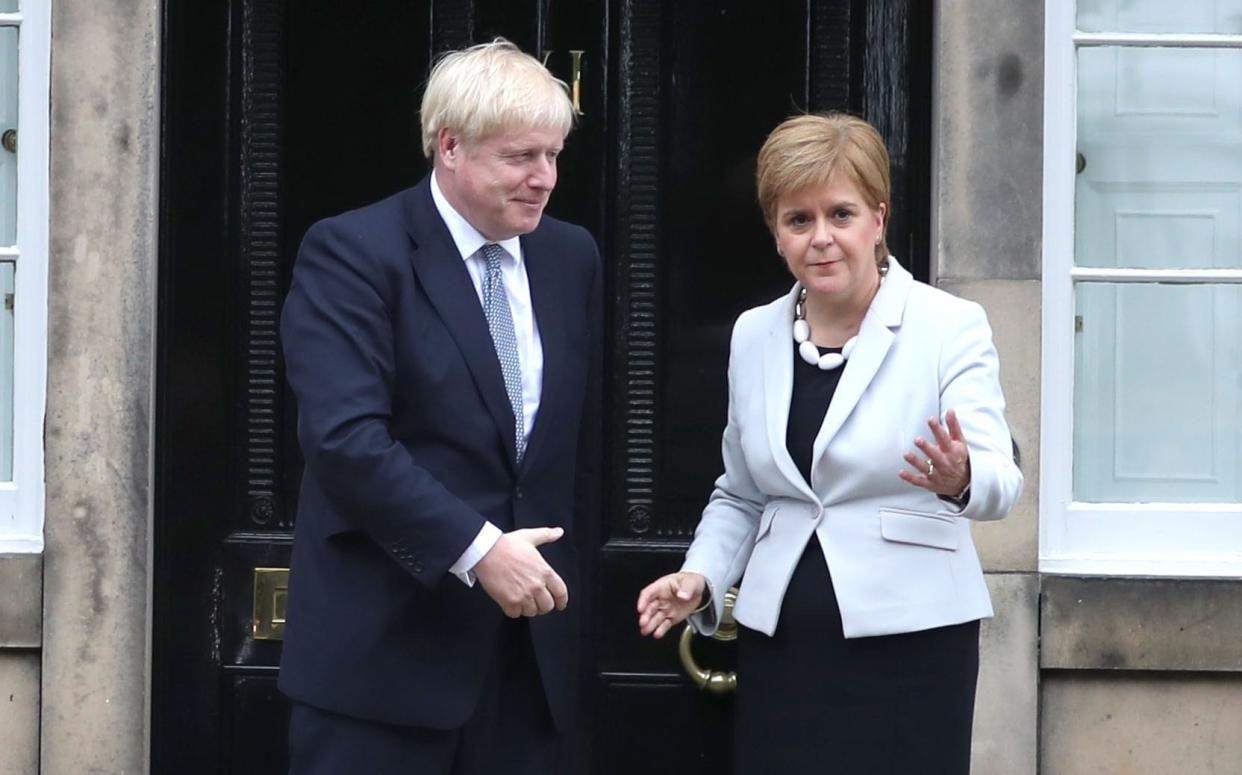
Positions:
{"x": 667, "y": 601}
{"x": 943, "y": 465}
{"x": 938, "y": 457}
{"x": 955, "y": 427}
{"x": 943, "y": 438}
{"x": 653, "y": 591}
{"x": 917, "y": 463}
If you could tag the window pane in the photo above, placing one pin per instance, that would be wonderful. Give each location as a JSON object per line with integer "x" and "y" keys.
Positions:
{"x": 1223, "y": 16}
{"x": 6, "y": 371}
{"x": 8, "y": 120}
{"x": 1160, "y": 144}
{"x": 1158, "y": 393}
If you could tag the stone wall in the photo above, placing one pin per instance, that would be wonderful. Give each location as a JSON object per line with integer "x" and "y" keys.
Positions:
{"x": 987, "y": 229}
{"x": 101, "y": 313}
{"x": 21, "y": 638}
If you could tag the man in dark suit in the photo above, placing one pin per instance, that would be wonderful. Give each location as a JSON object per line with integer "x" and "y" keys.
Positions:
{"x": 444, "y": 348}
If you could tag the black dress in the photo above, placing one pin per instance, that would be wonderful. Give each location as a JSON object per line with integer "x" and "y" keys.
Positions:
{"x": 811, "y": 701}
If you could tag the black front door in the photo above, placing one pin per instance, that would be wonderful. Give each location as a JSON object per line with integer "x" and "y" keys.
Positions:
{"x": 280, "y": 112}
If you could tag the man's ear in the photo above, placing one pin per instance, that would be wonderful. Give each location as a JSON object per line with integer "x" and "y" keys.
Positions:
{"x": 448, "y": 148}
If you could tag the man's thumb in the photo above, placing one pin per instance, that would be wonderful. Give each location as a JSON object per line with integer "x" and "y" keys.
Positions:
{"x": 544, "y": 535}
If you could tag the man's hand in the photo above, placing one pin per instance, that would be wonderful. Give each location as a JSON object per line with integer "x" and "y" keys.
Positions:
{"x": 516, "y": 576}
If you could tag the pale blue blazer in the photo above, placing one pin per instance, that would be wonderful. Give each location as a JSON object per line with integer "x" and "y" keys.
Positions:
{"x": 901, "y": 559}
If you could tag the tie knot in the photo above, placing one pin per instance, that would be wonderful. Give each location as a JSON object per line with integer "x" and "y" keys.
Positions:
{"x": 492, "y": 254}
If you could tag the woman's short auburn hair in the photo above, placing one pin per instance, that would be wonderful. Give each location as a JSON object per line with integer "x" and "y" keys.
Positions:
{"x": 489, "y": 87}
{"x": 807, "y": 151}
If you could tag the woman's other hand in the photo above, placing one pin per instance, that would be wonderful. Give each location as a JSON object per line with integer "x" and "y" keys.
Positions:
{"x": 668, "y": 600}
{"x": 944, "y": 467}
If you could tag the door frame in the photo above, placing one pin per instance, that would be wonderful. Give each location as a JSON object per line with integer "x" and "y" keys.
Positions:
{"x": 204, "y": 92}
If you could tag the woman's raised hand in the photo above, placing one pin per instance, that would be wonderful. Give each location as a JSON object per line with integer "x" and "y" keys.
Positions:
{"x": 945, "y": 466}
{"x": 668, "y": 600}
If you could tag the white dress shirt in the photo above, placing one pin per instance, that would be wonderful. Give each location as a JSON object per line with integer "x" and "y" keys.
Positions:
{"x": 530, "y": 347}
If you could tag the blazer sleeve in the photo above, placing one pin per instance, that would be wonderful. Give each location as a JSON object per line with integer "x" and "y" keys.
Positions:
{"x": 337, "y": 337}
{"x": 725, "y": 536}
{"x": 970, "y": 385}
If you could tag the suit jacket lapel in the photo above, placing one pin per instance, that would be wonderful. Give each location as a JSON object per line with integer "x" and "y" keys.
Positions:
{"x": 444, "y": 278}
{"x": 546, "y": 295}
{"x": 875, "y": 337}
{"x": 778, "y": 388}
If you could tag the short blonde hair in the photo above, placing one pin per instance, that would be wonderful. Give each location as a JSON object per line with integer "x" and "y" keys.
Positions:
{"x": 806, "y": 151}
{"x": 478, "y": 90}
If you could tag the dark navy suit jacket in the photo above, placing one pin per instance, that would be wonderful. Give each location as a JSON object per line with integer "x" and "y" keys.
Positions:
{"x": 408, "y": 436}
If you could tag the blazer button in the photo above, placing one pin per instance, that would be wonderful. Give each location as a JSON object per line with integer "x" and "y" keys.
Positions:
{"x": 518, "y": 494}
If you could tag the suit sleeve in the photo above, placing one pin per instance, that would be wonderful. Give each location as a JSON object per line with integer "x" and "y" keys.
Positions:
{"x": 970, "y": 385}
{"x": 587, "y": 520}
{"x": 590, "y": 430}
{"x": 338, "y": 344}
{"x": 725, "y": 536}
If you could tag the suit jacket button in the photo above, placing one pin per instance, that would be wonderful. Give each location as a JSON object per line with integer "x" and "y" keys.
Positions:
{"x": 517, "y": 494}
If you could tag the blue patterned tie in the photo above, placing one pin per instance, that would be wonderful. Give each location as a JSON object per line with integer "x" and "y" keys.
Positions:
{"x": 500, "y": 321}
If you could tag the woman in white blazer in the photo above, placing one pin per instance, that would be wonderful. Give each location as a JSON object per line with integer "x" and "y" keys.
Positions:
{"x": 866, "y": 430}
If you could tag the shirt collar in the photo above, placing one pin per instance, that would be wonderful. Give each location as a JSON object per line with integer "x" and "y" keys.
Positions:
{"x": 467, "y": 238}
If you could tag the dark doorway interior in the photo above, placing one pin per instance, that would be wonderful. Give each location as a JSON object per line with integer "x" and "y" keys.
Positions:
{"x": 277, "y": 113}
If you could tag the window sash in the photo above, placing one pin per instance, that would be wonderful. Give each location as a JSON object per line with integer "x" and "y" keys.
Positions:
{"x": 22, "y": 499}
{"x": 1165, "y": 539}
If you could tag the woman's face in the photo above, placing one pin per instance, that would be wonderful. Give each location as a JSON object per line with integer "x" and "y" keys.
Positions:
{"x": 827, "y": 236}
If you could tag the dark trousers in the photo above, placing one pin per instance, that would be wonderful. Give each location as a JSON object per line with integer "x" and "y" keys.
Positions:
{"x": 811, "y": 702}
{"x": 510, "y": 732}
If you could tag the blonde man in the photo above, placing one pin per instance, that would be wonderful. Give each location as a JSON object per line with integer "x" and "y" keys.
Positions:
{"x": 443, "y": 345}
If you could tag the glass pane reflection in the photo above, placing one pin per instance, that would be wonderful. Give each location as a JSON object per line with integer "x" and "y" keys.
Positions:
{"x": 1219, "y": 16}
{"x": 8, "y": 121}
{"x": 6, "y": 370}
{"x": 1157, "y": 404}
{"x": 1160, "y": 184}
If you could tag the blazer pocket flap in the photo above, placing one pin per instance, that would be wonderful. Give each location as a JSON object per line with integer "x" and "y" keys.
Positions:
{"x": 922, "y": 528}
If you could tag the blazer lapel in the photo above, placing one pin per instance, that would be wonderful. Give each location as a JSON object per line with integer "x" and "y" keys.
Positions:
{"x": 444, "y": 278}
{"x": 778, "y": 388}
{"x": 546, "y": 295}
{"x": 875, "y": 337}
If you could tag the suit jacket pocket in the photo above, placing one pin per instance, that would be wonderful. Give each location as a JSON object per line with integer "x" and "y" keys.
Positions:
{"x": 919, "y": 527}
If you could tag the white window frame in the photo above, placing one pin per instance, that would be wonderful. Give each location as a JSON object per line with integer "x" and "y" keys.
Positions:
{"x": 1116, "y": 539}
{"x": 22, "y": 499}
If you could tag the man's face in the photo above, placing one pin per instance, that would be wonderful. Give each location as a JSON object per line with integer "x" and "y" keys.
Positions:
{"x": 501, "y": 182}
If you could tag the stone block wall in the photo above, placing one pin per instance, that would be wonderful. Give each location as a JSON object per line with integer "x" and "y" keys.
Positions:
{"x": 21, "y": 639}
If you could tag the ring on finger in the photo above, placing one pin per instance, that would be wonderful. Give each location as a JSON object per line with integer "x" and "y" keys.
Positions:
{"x": 931, "y": 468}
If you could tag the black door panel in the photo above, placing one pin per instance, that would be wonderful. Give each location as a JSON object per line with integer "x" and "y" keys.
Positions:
{"x": 280, "y": 112}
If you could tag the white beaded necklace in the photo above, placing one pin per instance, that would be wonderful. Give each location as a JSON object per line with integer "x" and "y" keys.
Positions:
{"x": 802, "y": 334}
